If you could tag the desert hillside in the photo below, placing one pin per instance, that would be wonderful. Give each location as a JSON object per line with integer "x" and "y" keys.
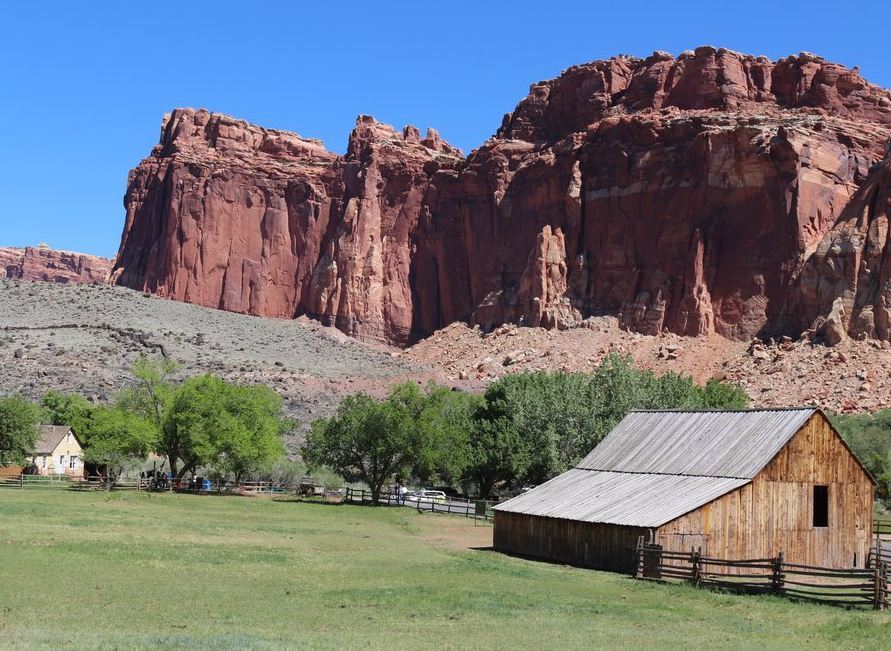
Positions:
{"x": 84, "y": 338}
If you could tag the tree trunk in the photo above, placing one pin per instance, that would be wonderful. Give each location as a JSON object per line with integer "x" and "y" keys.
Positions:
{"x": 486, "y": 484}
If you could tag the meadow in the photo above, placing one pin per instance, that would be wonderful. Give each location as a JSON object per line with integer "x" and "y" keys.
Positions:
{"x": 131, "y": 570}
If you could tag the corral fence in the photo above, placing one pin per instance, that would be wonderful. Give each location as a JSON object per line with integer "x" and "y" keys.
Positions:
{"x": 476, "y": 509}
{"x": 881, "y": 526}
{"x": 65, "y": 482}
{"x": 851, "y": 587}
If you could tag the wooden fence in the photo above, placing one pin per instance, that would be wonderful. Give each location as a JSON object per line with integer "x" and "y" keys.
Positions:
{"x": 37, "y": 481}
{"x": 851, "y": 587}
{"x": 476, "y": 509}
{"x": 881, "y": 526}
{"x": 64, "y": 482}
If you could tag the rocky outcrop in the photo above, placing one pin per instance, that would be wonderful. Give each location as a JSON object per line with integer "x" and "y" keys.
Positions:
{"x": 845, "y": 288}
{"x": 228, "y": 215}
{"x": 41, "y": 263}
{"x": 686, "y": 194}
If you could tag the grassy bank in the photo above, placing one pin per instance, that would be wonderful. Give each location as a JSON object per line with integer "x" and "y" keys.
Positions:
{"x": 137, "y": 571}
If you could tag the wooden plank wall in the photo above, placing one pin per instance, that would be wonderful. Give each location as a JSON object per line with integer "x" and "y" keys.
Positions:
{"x": 583, "y": 544}
{"x": 775, "y": 512}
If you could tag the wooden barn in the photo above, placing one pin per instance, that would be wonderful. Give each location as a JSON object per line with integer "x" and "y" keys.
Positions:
{"x": 737, "y": 484}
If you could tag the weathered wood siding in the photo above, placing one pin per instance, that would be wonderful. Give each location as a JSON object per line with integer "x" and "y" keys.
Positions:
{"x": 585, "y": 544}
{"x": 775, "y": 512}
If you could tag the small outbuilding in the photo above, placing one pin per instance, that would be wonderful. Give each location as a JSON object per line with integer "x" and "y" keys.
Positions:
{"x": 58, "y": 452}
{"x": 735, "y": 484}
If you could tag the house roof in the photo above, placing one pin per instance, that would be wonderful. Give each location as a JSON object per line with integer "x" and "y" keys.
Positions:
{"x": 658, "y": 465}
{"x": 50, "y": 437}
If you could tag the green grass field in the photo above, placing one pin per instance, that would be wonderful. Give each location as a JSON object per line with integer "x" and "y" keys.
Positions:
{"x": 132, "y": 570}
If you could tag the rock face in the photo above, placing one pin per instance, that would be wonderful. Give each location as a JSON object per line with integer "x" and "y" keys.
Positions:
{"x": 696, "y": 194}
{"x": 232, "y": 216}
{"x": 41, "y": 263}
{"x": 845, "y": 287}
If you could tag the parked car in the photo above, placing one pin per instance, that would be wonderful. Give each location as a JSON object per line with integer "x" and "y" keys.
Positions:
{"x": 431, "y": 496}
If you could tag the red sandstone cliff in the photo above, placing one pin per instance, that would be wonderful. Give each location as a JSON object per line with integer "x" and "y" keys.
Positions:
{"x": 694, "y": 194}
{"x": 41, "y": 263}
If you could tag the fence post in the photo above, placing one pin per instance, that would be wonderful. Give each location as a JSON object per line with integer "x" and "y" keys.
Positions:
{"x": 696, "y": 559}
{"x": 883, "y": 585}
{"x": 22, "y": 481}
{"x": 638, "y": 558}
{"x": 776, "y": 583}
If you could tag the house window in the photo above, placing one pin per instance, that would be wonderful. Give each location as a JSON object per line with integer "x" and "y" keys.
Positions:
{"x": 61, "y": 460}
{"x": 44, "y": 460}
{"x": 68, "y": 437}
{"x": 72, "y": 463}
{"x": 821, "y": 506}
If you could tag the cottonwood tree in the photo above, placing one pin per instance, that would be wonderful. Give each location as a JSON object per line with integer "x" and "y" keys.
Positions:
{"x": 71, "y": 410}
{"x": 444, "y": 418}
{"x": 369, "y": 440}
{"x": 151, "y": 393}
{"x": 18, "y": 429}
{"x": 231, "y": 428}
{"x": 869, "y": 436}
{"x": 119, "y": 438}
{"x": 533, "y": 426}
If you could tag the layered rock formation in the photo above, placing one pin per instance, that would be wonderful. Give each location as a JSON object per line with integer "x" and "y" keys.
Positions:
{"x": 41, "y": 263}
{"x": 692, "y": 193}
{"x": 845, "y": 287}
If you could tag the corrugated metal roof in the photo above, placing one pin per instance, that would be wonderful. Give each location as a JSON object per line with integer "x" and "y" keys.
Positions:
{"x": 658, "y": 465}
{"x": 639, "y": 500}
{"x": 701, "y": 443}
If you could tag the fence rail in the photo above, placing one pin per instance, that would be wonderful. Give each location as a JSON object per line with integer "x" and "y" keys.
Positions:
{"x": 36, "y": 481}
{"x": 841, "y": 586}
{"x": 476, "y": 509}
{"x": 881, "y": 526}
{"x": 65, "y": 482}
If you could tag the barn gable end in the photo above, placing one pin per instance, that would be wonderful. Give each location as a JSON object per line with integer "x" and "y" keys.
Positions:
{"x": 775, "y": 512}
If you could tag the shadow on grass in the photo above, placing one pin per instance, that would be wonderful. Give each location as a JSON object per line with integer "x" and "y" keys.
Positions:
{"x": 549, "y": 561}
{"x": 320, "y": 502}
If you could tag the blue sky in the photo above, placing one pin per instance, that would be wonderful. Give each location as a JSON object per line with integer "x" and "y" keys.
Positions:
{"x": 84, "y": 85}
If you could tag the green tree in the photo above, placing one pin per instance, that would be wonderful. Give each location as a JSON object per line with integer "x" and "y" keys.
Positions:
{"x": 720, "y": 395}
{"x": 18, "y": 429}
{"x": 250, "y": 439}
{"x": 119, "y": 438}
{"x": 234, "y": 429}
{"x": 150, "y": 397}
{"x": 369, "y": 440}
{"x": 444, "y": 418}
{"x": 496, "y": 450}
{"x": 536, "y": 425}
{"x": 71, "y": 410}
{"x": 869, "y": 436}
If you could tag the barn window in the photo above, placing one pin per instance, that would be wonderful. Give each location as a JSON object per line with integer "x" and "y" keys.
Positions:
{"x": 821, "y": 506}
